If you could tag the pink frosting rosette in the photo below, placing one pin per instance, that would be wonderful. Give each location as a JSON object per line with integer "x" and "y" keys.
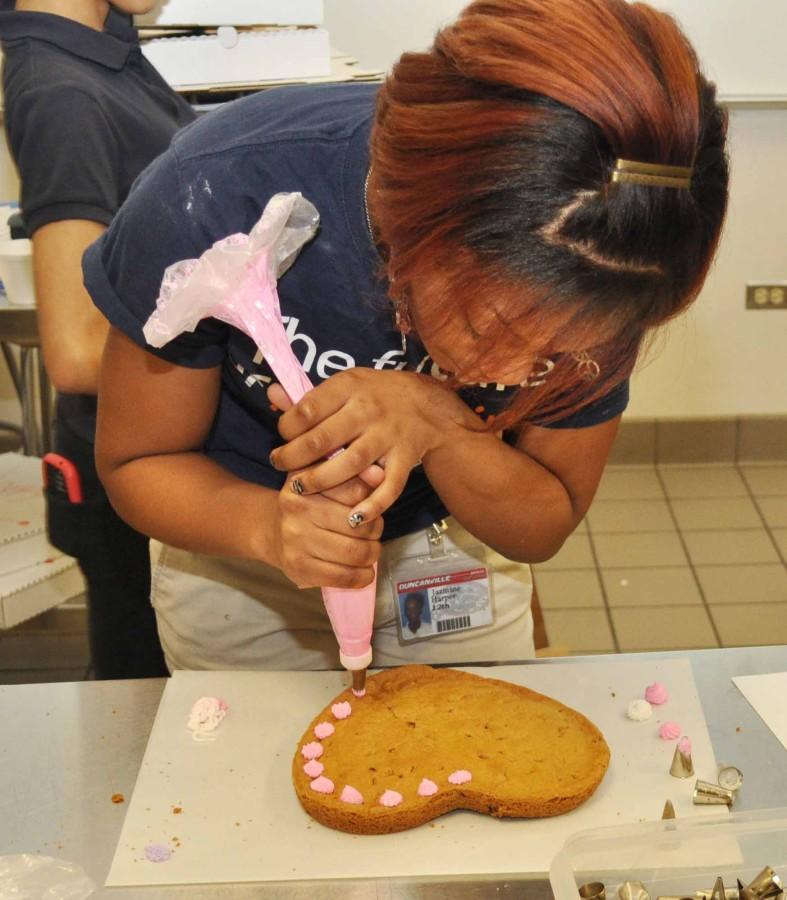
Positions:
{"x": 656, "y": 693}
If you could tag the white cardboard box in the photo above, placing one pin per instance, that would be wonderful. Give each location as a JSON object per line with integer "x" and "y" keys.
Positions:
{"x": 36, "y": 589}
{"x": 251, "y": 56}
{"x": 34, "y": 576}
{"x": 233, "y": 12}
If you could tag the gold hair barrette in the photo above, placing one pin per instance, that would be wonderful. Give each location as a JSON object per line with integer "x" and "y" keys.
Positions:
{"x": 652, "y": 174}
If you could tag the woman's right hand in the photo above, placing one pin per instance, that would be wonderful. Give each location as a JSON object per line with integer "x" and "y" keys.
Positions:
{"x": 315, "y": 545}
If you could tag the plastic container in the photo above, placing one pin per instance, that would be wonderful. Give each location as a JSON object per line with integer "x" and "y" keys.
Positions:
{"x": 673, "y": 857}
{"x": 16, "y": 271}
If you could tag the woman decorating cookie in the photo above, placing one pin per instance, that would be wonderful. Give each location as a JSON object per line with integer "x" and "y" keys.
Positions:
{"x": 503, "y": 224}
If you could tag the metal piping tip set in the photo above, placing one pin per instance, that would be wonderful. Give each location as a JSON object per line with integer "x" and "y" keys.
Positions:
{"x": 729, "y": 780}
{"x": 767, "y": 885}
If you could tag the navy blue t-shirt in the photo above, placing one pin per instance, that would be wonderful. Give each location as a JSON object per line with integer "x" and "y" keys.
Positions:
{"x": 214, "y": 181}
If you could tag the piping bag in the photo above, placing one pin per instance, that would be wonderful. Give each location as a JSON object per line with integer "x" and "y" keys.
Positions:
{"x": 235, "y": 281}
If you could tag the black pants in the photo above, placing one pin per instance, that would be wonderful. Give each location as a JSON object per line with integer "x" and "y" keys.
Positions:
{"x": 115, "y": 560}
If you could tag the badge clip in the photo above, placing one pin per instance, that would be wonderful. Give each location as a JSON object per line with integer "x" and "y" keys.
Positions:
{"x": 434, "y": 535}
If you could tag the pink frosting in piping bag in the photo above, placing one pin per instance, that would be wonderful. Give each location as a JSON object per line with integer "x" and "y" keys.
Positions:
{"x": 235, "y": 281}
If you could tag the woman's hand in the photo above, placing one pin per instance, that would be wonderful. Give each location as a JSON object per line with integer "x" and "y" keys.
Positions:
{"x": 392, "y": 418}
{"x": 314, "y": 543}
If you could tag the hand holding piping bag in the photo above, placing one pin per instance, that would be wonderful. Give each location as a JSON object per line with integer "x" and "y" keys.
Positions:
{"x": 235, "y": 281}
{"x": 347, "y": 609}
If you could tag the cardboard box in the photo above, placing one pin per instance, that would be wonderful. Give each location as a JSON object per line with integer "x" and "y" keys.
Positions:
{"x": 233, "y": 12}
{"x": 34, "y": 576}
{"x": 36, "y": 589}
{"x": 250, "y": 56}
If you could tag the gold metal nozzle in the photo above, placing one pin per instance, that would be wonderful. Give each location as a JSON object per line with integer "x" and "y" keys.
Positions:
{"x": 669, "y": 810}
{"x": 682, "y": 766}
{"x": 707, "y": 794}
{"x": 766, "y": 884}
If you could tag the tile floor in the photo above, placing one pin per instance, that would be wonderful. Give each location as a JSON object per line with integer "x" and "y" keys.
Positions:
{"x": 673, "y": 557}
{"x": 669, "y": 557}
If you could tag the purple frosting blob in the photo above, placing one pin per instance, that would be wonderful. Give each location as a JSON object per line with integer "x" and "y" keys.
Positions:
{"x": 157, "y": 853}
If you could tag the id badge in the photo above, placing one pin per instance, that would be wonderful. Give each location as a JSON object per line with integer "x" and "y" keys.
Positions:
{"x": 444, "y": 592}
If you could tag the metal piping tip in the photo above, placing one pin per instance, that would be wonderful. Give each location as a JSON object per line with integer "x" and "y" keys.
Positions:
{"x": 707, "y": 794}
{"x": 669, "y": 810}
{"x": 633, "y": 890}
{"x": 730, "y": 778}
{"x": 745, "y": 893}
{"x": 359, "y": 682}
{"x": 766, "y": 884}
{"x": 682, "y": 766}
{"x": 593, "y": 890}
{"x": 719, "y": 893}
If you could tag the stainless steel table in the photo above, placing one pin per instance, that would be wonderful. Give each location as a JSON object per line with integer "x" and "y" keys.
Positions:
{"x": 66, "y": 748}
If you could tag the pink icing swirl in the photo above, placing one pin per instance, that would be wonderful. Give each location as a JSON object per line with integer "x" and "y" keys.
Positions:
{"x": 461, "y": 776}
{"x": 322, "y": 785}
{"x": 341, "y": 710}
{"x": 391, "y": 798}
{"x": 351, "y": 795}
{"x": 314, "y": 750}
{"x": 324, "y": 730}
{"x": 313, "y": 768}
{"x": 656, "y": 693}
{"x": 684, "y": 745}
{"x": 426, "y": 788}
{"x": 670, "y": 731}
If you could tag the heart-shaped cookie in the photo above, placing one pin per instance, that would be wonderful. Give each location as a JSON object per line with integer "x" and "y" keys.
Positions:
{"x": 425, "y": 741}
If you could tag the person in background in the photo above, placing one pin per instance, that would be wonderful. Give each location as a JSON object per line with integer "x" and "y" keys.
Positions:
{"x": 504, "y": 223}
{"x": 84, "y": 114}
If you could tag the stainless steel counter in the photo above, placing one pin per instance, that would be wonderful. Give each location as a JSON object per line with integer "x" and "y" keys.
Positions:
{"x": 66, "y": 748}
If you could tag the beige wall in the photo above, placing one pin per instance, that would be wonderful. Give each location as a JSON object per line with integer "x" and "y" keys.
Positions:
{"x": 721, "y": 359}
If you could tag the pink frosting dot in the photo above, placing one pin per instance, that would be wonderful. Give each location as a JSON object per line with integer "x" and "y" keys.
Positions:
{"x": 391, "y": 798}
{"x": 656, "y": 693}
{"x": 322, "y": 785}
{"x": 361, "y": 693}
{"x": 313, "y": 750}
{"x": 313, "y": 768}
{"x": 684, "y": 745}
{"x": 426, "y": 788}
{"x": 324, "y": 730}
{"x": 670, "y": 731}
{"x": 461, "y": 776}
{"x": 351, "y": 795}
{"x": 341, "y": 710}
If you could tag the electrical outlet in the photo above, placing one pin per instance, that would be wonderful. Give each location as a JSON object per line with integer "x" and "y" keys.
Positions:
{"x": 766, "y": 296}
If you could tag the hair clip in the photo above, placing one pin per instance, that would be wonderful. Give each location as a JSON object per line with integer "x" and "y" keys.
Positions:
{"x": 652, "y": 174}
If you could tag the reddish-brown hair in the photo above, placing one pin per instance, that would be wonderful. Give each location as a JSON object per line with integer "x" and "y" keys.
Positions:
{"x": 492, "y": 155}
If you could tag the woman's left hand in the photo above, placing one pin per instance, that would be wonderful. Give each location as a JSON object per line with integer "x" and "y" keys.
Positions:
{"x": 392, "y": 418}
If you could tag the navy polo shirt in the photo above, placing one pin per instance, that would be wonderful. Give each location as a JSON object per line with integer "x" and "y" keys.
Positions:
{"x": 214, "y": 181}
{"x": 85, "y": 112}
